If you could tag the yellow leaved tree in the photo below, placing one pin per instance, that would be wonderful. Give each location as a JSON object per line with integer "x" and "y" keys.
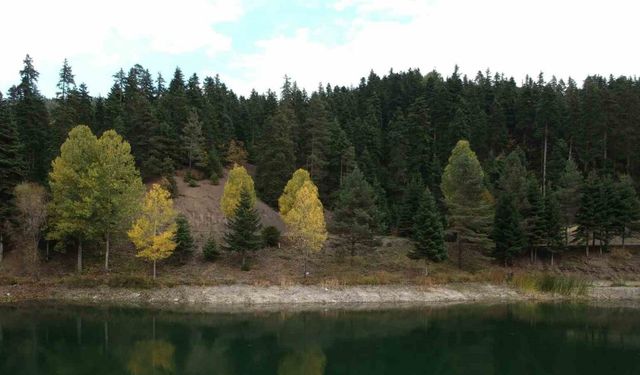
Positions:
{"x": 237, "y": 180}
{"x": 288, "y": 197}
{"x": 154, "y": 231}
{"x": 305, "y": 221}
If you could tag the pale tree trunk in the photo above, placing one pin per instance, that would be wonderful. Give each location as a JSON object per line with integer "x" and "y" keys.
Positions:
{"x": 624, "y": 235}
{"x": 459, "y": 251}
{"x": 551, "y": 259}
{"x": 154, "y": 269}
{"x": 587, "y": 245}
{"x": 1, "y": 246}
{"x": 106, "y": 254}
{"x": 79, "y": 264}
{"x": 426, "y": 270}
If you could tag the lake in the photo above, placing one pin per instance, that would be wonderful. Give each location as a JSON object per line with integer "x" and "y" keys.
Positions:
{"x": 463, "y": 339}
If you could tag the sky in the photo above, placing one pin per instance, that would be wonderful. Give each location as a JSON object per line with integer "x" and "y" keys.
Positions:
{"x": 252, "y": 44}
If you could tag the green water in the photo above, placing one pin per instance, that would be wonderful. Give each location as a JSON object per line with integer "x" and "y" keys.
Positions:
{"x": 503, "y": 339}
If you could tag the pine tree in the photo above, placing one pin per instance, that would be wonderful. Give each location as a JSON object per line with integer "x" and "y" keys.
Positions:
{"x": 243, "y": 228}
{"x": 568, "y": 195}
{"x": 11, "y": 170}
{"x": 214, "y": 166}
{"x": 277, "y": 160}
{"x": 32, "y": 121}
{"x": 154, "y": 230}
{"x": 468, "y": 202}
{"x": 587, "y": 214}
{"x": 210, "y": 250}
{"x": 606, "y": 203}
{"x": 183, "y": 239}
{"x": 406, "y": 209}
{"x": 553, "y": 226}
{"x": 356, "y": 216}
{"x": 534, "y": 218}
{"x": 508, "y": 233}
{"x": 627, "y": 208}
{"x": 428, "y": 233}
{"x": 193, "y": 141}
{"x": 317, "y": 124}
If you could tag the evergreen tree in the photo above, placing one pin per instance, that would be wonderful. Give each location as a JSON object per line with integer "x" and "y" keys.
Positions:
{"x": 276, "y": 160}
{"x": 32, "y": 121}
{"x": 183, "y": 239}
{"x": 606, "y": 203}
{"x": 508, "y": 233}
{"x": 428, "y": 233}
{"x": 11, "y": 170}
{"x": 468, "y": 202}
{"x": 587, "y": 215}
{"x": 355, "y": 216}
{"x": 243, "y": 228}
{"x": 193, "y": 141}
{"x": 534, "y": 218}
{"x": 627, "y": 207}
{"x": 568, "y": 195}
{"x": 406, "y": 209}
{"x": 553, "y": 226}
{"x": 317, "y": 124}
{"x": 210, "y": 250}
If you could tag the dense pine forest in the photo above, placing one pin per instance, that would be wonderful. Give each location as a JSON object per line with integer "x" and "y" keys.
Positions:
{"x": 515, "y": 167}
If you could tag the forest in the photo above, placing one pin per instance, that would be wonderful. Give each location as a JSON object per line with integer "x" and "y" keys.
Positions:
{"x": 516, "y": 169}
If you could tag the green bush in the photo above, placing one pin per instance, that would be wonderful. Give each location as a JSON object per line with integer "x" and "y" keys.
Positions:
{"x": 215, "y": 180}
{"x": 210, "y": 250}
{"x": 270, "y": 236}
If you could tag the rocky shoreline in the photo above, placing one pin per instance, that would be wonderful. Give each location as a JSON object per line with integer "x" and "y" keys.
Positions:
{"x": 249, "y": 298}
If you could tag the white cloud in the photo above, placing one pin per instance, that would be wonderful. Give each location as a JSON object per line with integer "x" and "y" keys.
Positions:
{"x": 109, "y": 32}
{"x": 564, "y": 38}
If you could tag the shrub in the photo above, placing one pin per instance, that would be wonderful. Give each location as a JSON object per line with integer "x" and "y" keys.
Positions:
{"x": 184, "y": 240}
{"x": 549, "y": 283}
{"x": 215, "y": 179}
{"x": 210, "y": 250}
{"x": 270, "y": 236}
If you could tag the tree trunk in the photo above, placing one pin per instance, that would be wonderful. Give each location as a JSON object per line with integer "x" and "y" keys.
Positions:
{"x": 624, "y": 235}
{"x": 243, "y": 260}
{"x": 154, "y": 269}
{"x": 566, "y": 236}
{"x": 47, "y": 250}
{"x": 544, "y": 162}
{"x": 106, "y": 253}
{"x": 305, "y": 263}
{"x": 426, "y": 270}
{"x": 459, "y": 251}
{"x": 587, "y": 245}
{"x": 79, "y": 264}
{"x": 552, "y": 259}
{"x": 1, "y": 246}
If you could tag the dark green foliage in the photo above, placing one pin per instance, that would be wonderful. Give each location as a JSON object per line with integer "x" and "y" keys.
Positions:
{"x": 428, "y": 232}
{"x": 184, "y": 240}
{"x": 626, "y": 207}
{"x": 11, "y": 167}
{"x": 406, "y": 210}
{"x": 317, "y": 125}
{"x": 534, "y": 215}
{"x": 587, "y": 215}
{"x": 210, "y": 250}
{"x": 270, "y": 236}
{"x": 356, "y": 216}
{"x": 508, "y": 233}
{"x": 243, "y": 228}
{"x": 554, "y": 230}
{"x": 277, "y": 160}
{"x": 214, "y": 166}
{"x": 568, "y": 195}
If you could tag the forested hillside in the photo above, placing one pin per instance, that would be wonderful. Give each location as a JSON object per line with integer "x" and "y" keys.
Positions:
{"x": 552, "y": 153}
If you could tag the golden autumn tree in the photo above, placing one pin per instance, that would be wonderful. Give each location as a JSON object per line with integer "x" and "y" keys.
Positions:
{"x": 154, "y": 231}
{"x": 305, "y": 221}
{"x": 288, "y": 197}
{"x": 237, "y": 180}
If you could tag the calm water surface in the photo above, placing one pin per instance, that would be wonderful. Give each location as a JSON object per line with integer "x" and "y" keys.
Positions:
{"x": 502, "y": 339}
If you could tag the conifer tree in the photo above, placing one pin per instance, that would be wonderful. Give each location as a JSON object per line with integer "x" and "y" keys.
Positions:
{"x": 606, "y": 203}
{"x": 534, "y": 218}
{"x": 154, "y": 230}
{"x": 469, "y": 204}
{"x": 243, "y": 228}
{"x": 356, "y": 216}
{"x": 237, "y": 181}
{"x": 508, "y": 233}
{"x": 553, "y": 226}
{"x": 184, "y": 240}
{"x": 406, "y": 209}
{"x": 11, "y": 170}
{"x": 210, "y": 249}
{"x": 214, "y": 165}
{"x": 277, "y": 160}
{"x": 627, "y": 207}
{"x": 317, "y": 124}
{"x": 587, "y": 215}
{"x": 193, "y": 141}
{"x": 568, "y": 195}
{"x": 428, "y": 233}
{"x": 305, "y": 220}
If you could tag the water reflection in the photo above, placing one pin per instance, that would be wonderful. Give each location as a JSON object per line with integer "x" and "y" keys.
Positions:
{"x": 517, "y": 339}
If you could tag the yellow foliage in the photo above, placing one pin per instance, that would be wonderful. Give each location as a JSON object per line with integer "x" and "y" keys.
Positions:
{"x": 147, "y": 357}
{"x": 305, "y": 219}
{"x": 238, "y": 178}
{"x": 154, "y": 231}
{"x": 288, "y": 197}
{"x": 311, "y": 361}
{"x": 236, "y": 153}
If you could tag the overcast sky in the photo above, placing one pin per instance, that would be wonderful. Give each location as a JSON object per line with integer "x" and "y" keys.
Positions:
{"x": 254, "y": 43}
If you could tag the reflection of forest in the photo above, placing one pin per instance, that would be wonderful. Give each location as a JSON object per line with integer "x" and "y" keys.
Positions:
{"x": 524, "y": 338}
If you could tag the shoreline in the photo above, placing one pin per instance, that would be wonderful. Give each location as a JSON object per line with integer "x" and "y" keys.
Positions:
{"x": 246, "y": 298}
